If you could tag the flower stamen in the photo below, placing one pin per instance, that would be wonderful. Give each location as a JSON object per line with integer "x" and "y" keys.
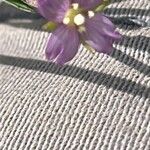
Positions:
{"x": 79, "y": 19}
{"x": 91, "y": 14}
{"x": 66, "y": 20}
{"x": 75, "y": 6}
{"x": 74, "y": 16}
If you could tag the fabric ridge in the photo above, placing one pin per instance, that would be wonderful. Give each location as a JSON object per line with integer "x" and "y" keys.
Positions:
{"x": 95, "y": 102}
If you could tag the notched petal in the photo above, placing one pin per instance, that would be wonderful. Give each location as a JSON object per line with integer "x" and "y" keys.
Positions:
{"x": 100, "y": 33}
{"x": 63, "y": 44}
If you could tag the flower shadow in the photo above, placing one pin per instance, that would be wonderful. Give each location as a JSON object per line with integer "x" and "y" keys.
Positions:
{"x": 131, "y": 62}
{"x": 100, "y": 78}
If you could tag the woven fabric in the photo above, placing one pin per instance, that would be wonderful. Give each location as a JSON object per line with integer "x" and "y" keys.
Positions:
{"x": 95, "y": 102}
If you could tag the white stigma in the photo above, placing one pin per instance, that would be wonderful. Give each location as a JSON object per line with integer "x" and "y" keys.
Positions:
{"x": 66, "y": 20}
{"x": 79, "y": 19}
{"x": 91, "y": 14}
{"x": 75, "y": 6}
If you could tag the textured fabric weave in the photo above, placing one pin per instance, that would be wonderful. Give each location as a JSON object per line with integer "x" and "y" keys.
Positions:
{"x": 96, "y": 102}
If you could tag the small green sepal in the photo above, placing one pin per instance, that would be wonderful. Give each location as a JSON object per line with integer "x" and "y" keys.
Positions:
{"x": 50, "y": 26}
{"x": 102, "y": 6}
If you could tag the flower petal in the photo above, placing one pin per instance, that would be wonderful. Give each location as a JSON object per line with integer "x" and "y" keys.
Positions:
{"x": 87, "y": 4}
{"x": 53, "y": 10}
{"x": 100, "y": 33}
{"x": 63, "y": 44}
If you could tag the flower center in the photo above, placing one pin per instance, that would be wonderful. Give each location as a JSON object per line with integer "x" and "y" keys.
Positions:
{"x": 76, "y": 15}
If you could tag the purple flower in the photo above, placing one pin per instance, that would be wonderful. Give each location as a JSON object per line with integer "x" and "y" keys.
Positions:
{"x": 77, "y": 22}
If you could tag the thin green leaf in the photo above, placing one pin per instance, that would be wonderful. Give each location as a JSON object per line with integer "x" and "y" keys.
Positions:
{"x": 20, "y": 5}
